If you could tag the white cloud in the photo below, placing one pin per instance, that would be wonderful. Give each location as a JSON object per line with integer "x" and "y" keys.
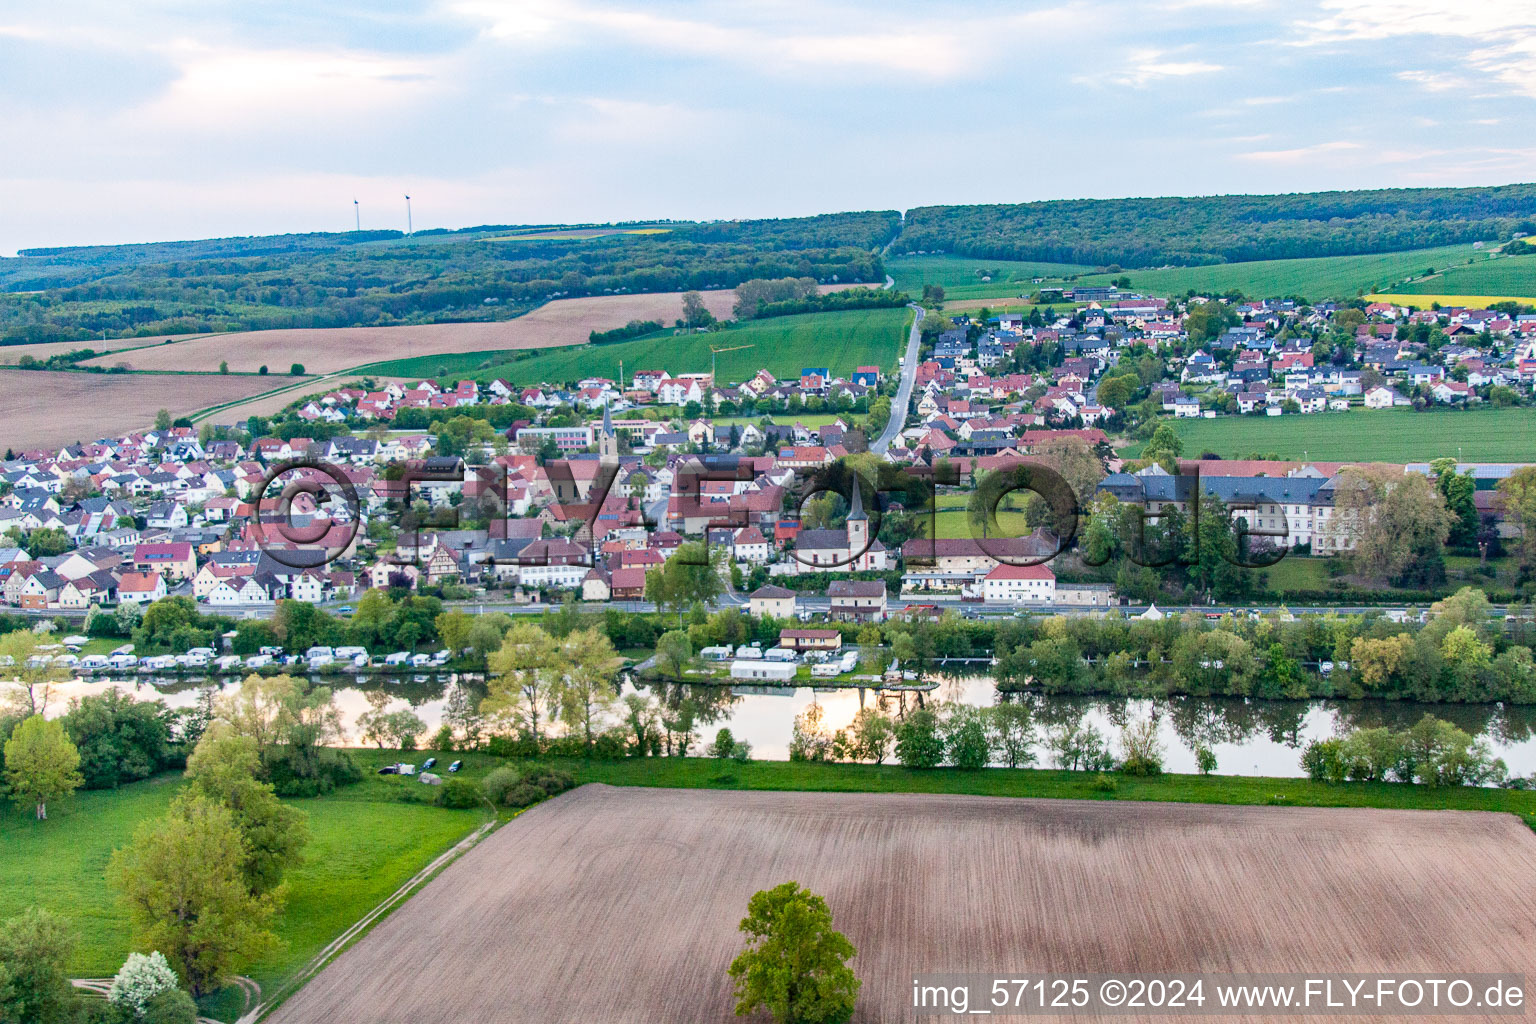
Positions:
{"x": 1300, "y": 154}
{"x": 1142, "y": 67}
{"x": 795, "y": 37}
{"x": 1510, "y": 61}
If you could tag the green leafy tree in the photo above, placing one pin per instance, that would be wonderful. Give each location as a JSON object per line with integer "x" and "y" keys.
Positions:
{"x": 673, "y": 652}
{"x": 588, "y": 695}
{"x": 35, "y": 948}
{"x": 966, "y": 742}
{"x": 120, "y": 739}
{"x": 919, "y": 743}
{"x": 183, "y": 880}
{"x": 523, "y": 688}
{"x": 41, "y": 764}
{"x": 1012, "y": 733}
{"x": 225, "y": 769}
{"x": 795, "y": 965}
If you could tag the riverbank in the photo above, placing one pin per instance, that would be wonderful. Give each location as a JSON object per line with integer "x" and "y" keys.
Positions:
{"x": 711, "y": 773}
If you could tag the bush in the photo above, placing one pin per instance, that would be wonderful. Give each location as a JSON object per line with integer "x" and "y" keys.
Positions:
{"x": 499, "y": 783}
{"x": 308, "y": 770}
{"x": 550, "y": 780}
{"x": 458, "y": 794}
{"x": 1138, "y": 765}
{"x": 525, "y": 795}
{"x": 171, "y": 1007}
{"x": 442, "y": 740}
{"x": 1323, "y": 760}
{"x": 1104, "y": 783}
{"x": 140, "y": 979}
{"x": 742, "y": 751}
{"x": 513, "y": 746}
{"x": 724, "y": 745}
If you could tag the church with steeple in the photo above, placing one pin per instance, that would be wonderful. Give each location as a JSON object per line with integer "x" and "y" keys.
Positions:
{"x": 607, "y": 438}
{"x": 850, "y": 549}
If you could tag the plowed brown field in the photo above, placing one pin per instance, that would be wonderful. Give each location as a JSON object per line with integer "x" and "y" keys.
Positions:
{"x": 44, "y": 408}
{"x": 620, "y": 905}
{"x": 562, "y": 322}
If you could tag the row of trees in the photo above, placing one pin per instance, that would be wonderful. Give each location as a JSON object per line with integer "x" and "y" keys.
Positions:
{"x": 1432, "y": 752}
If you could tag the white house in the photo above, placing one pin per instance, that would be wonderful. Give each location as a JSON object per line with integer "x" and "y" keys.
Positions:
{"x": 1032, "y": 584}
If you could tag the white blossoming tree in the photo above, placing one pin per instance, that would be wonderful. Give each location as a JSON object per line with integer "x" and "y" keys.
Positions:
{"x": 141, "y": 978}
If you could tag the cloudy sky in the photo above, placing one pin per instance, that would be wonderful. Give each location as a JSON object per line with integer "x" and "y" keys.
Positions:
{"x": 191, "y": 118}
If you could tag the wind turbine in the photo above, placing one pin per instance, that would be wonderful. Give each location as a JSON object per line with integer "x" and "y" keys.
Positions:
{"x": 407, "y": 214}
{"x": 356, "y": 212}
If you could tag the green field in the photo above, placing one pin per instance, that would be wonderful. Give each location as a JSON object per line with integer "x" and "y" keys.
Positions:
{"x": 961, "y": 276}
{"x": 1314, "y": 278}
{"x": 365, "y": 842}
{"x": 1362, "y": 435}
{"x": 1504, "y": 275}
{"x": 840, "y": 341}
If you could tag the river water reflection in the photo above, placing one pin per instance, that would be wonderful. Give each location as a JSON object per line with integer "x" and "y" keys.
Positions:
{"x": 1249, "y": 737}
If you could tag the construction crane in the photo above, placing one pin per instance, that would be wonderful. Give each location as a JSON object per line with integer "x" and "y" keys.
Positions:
{"x": 713, "y": 352}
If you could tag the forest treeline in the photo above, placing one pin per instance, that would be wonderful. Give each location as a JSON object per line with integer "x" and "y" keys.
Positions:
{"x": 1222, "y": 229}
{"x": 384, "y": 278}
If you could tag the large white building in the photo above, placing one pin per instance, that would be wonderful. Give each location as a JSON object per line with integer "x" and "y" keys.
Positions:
{"x": 1020, "y": 584}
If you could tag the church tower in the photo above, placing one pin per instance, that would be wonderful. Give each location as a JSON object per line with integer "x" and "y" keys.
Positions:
{"x": 858, "y": 526}
{"x": 607, "y": 438}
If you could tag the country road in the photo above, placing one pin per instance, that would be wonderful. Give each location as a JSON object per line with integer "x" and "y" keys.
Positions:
{"x": 899, "y": 405}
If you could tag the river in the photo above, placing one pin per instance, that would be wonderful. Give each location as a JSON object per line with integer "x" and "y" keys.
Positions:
{"x": 1249, "y": 737}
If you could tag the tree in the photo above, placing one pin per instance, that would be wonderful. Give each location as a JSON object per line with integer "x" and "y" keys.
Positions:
{"x": 1517, "y": 494}
{"x": 20, "y": 653}
{"x": 1165, "y": 447}
{"x": 183, "y": 880}
{"x": 1117, "y": 392}
{"x": 809, "y": 741}
{"x": 524, "y": 678}
{"x": 1395, "y": 521}
{"x": 795, "y": 964}
{"x": 724, "y": 745}
{"x": 1012, "y": 732}
{"x": 587, "y": 694}
{"x": 41, "y": 764}
{"x": 296, "y": 370}
{"x": 871, "y": 735}
{"x": 224, "y": 769}
{"x": 918, "y": 743}
{"x": 163, "y": 420}
{"x": 966, "y": 743}
{"x": 1140, "y": 748}
{"x": 673, "y": 652}
{"x": 1456, "y": 489}
{"x": 35, "y": 948}
{"x": 695, "y": 313}
{"x": 690, "y": 576}
{"x": 120, "y": 739}
{"x": 141, "y": 978}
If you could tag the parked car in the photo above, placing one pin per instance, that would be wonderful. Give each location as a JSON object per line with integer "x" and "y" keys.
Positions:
{"x": 429, "y": 764}
{"x": 455, "y": 766}
{"x": 390, "y": 769}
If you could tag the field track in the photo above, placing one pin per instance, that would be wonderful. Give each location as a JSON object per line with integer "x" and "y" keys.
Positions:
{"x": 619, "y": 905}
{"x": 325, "y": 350}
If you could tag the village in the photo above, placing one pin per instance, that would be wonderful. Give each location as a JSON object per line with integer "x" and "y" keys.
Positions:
{"x": 529, "y": 512}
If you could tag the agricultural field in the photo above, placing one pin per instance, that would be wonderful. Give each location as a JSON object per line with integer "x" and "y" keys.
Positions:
{"x": 1314, "y": 278}
{"x": 11, "y": 354}
{"x": 840, "y": 341}
{"x": 561, "y": 322}
{"x": 1496, "y": 275}
{"x": 961, "y": 276}
{"x": 638, "y": 892}
{"x": 1385, "y": 435}
{"x": 47, "y": 409}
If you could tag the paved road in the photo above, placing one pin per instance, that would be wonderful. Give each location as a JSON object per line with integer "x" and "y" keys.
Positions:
{"x": 904, "y": 393}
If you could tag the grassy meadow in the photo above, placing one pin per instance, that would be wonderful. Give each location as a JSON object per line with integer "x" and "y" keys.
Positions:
{"x": 840, "y": 341}
{"x": 365, "y": 842}
{"x": 1379, "y": 435}
{"x": 961, "y": 276}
